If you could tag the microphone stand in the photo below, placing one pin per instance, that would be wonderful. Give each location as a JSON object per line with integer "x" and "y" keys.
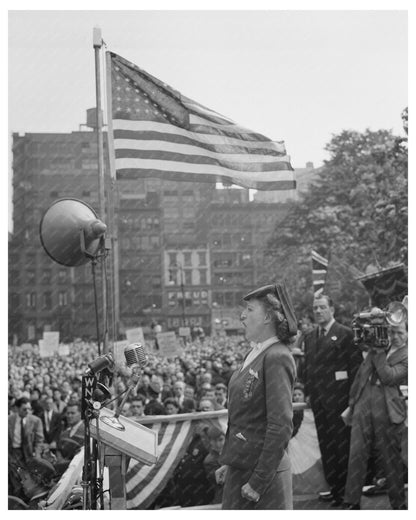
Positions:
{"x": 91, "y": 485}
{"x": 113, "y": 421}
{"x": 86, "y": 481}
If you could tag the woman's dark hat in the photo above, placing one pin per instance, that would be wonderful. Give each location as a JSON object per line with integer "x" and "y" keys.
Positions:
{"x": 279, "y": 290}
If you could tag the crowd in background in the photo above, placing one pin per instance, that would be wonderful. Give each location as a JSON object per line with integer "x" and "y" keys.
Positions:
{"x": 195, "y": 381}
{"x": 47, "y": 390}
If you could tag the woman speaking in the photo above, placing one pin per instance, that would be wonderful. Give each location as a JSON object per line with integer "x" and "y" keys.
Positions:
{"x": 255, "y": 467}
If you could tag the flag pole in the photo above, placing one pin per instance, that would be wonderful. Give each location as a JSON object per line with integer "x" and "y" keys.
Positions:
{"x": 97, "y": 44}
{"x": 113, "y": 200}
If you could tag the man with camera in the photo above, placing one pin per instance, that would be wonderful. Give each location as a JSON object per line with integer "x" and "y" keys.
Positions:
{"x": 376, "y": 413}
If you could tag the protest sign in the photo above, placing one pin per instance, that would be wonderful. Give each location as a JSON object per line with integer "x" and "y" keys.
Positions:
{"x": 184, "y": 332}
{"x": 49, "y": 345}
{"x": 135, "y": 335}
{"x": 168, "y": 344}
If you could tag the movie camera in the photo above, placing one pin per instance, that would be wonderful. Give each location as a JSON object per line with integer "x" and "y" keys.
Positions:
{"x": 370, "y": 326}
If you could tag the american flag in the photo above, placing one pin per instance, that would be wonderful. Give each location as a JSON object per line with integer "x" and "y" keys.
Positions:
{"x": 158, "y": 132}
{"x": 144, "y": 483}
{"x": 319, "y": 272}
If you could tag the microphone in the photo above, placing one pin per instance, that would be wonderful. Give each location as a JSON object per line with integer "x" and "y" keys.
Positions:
{"x": 100, "y": 363}
{"x": 135, "y": 355}
{"x": 136, "y": 359}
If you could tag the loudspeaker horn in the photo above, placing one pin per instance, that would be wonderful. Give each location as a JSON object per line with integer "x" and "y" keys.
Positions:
{"x": 70, "y": 232}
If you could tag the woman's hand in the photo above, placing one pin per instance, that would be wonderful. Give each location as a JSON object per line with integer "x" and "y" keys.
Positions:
{"x": 346, "y": 416}
{"x": 248, "y": 493}
{"x": 220, "y": 475}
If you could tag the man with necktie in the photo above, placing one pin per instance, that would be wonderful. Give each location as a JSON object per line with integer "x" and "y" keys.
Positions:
{"x": 52, "y": 423}
{"x": 331, "y": 361}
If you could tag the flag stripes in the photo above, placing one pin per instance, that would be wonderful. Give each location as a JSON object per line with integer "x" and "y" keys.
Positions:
{"x": 319, "y": 272}
{"x": 158, "y": 132}
{"x": 144, "y": 483}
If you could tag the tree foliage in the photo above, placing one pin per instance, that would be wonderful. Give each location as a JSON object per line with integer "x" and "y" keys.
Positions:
{"x": 355, "y": 213}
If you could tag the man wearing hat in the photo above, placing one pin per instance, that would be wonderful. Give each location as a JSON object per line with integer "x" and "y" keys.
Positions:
{"x": 255, "y": 467}
{"x": 36, "y": 480}
{"x": 154, "y": 406}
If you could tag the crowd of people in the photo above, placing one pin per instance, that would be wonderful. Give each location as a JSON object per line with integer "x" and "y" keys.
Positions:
{"x": 45, "y": 422}
{"x": 45, "y": 398}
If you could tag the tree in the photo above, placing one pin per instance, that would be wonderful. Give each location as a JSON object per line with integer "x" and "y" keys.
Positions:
{"x": 355, "y": 213}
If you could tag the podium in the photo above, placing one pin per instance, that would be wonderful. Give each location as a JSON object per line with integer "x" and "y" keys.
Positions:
{"x": 118, "y": 447}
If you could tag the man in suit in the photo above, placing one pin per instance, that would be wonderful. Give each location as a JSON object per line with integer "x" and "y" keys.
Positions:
{"x": 25, "y": 432}
{"x": 331, "y": 362}
{"x": 377, "y": 412}
{"x": 179, "y": 392}
{"x": 52, "y": 423}
{"x": 75, "y": 429}
{"x": 25, "y": 435}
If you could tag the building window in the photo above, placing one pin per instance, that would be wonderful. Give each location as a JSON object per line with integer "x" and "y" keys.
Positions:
{"x": 187, "y": 259}
{"x": 46, "y": 276}
{"x": 31, "y": 277}
{"x": 154, "y": 240}
{"x": 62, "y": 276}
{"x": 172, "y": 259}
{"x": 188, "y": 276}
{"x": 62, "y": 299}
{"x": 156, "y": 282}
{"x": 47, "y": 300}
{"x": 31, "y": 300}
{"x": 202, "y": 256}
{"x": 218, "y": 298}
{"x": 203, "y": 276}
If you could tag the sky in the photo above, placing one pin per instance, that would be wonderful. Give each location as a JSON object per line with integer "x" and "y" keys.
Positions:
{"x": 295, "y": 75}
